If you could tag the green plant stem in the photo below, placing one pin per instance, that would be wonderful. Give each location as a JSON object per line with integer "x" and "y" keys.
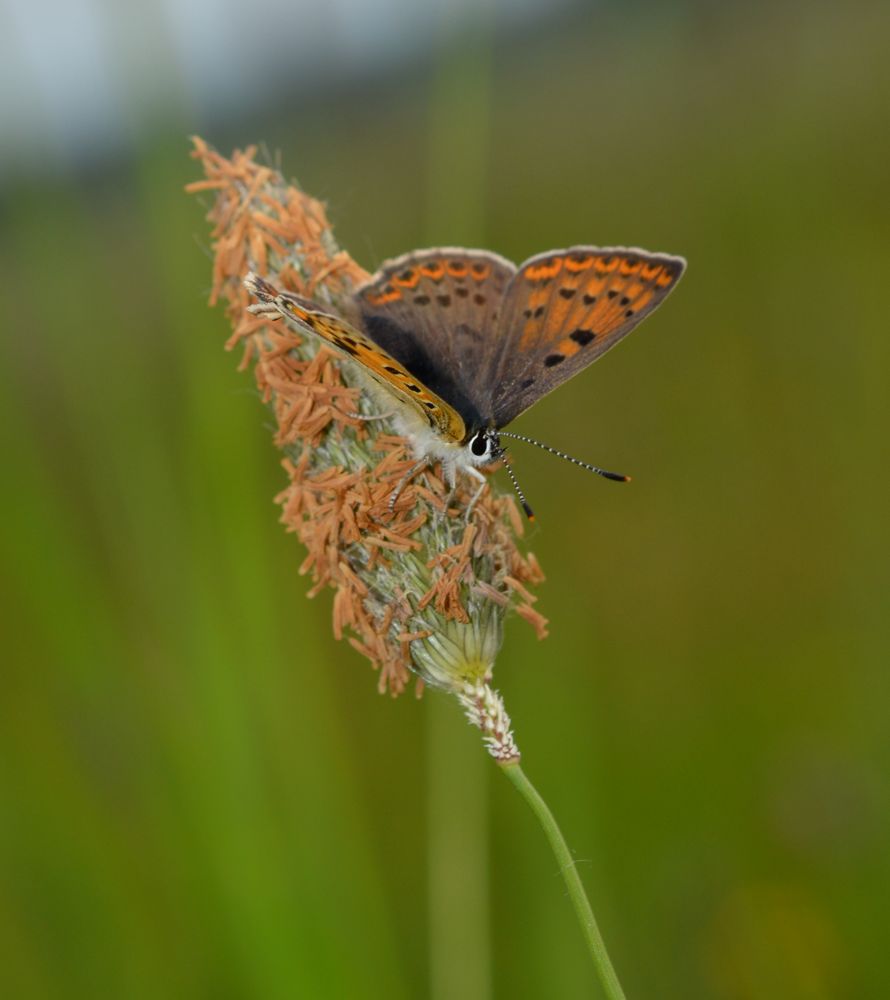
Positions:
{"x": 594, "y": 939}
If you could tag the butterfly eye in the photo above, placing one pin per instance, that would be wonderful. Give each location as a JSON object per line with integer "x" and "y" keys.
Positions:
{"x": 480, "y": 445}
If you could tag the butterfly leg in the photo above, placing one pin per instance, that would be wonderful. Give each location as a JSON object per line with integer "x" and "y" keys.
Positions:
{"x": 265, "y": 310}
{"x": 403, "y": 482}
{"x": 370, "y": 416}
{"x": 476, "y": 474}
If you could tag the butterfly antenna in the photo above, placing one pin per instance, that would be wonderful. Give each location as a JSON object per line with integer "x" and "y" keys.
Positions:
{"x": 529, "y": 513}
{"x": 616, "y": 476}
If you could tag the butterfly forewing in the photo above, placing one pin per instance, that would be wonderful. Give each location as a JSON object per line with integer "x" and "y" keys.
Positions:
{"x": 437, "y": 311}
{"x": 563, "y": 310}
{"x": 373, "y": 359}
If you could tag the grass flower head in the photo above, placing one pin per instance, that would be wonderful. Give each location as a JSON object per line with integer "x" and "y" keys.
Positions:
{"x": 422, "y": 586}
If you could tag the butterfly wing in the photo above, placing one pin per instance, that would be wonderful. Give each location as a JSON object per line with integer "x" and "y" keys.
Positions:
{"x": 372, "y": 358}
{"x": 563, "y": 310}
{"x": 436, "y": 311}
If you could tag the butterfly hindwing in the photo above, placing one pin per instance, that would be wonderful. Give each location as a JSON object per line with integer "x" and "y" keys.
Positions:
{"x": 371, "y": 357}
{"x": 436, "y": 311}
{"x": 563, "y": 310}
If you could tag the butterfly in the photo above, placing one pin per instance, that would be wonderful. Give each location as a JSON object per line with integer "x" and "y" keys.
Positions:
{"x": 464, "y": 341}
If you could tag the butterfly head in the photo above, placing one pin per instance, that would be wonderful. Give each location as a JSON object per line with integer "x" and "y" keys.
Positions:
{"x": 484, "y": 447}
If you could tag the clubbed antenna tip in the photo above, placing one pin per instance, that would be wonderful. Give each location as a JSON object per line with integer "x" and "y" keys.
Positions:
{"x": 617, "y": 477}
{"x": 529, "y": 513}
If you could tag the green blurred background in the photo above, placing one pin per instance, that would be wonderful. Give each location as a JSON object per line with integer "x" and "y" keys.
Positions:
{"x": 201, "y": 794}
